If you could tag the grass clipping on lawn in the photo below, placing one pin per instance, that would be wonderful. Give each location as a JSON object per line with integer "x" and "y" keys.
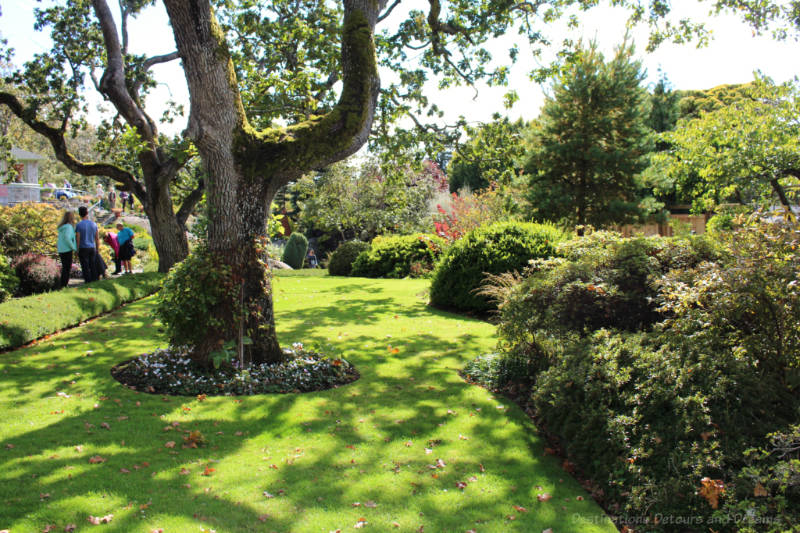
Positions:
{"x": 23, "y": 320}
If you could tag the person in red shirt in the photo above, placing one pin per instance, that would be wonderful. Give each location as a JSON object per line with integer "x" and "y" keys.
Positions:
{"x": 111, "y": 240}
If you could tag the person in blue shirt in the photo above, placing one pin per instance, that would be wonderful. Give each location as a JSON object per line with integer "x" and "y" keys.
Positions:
{"x": 126, "y": 250}
{"x": 88, "y": 238}
{"x": 66, "y": 245}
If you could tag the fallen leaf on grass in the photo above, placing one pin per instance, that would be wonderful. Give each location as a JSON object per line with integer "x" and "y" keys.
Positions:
{"x": 519, "y": 509}
{"x": 69, "y": 528}
{"x": 95, "y": 459}
{"x": 268, "y": 495}
{"x": 159, "y": 530}
{"x": 169, "y": 444}
{"x": 548, "y": 530}
{"x": 371, "y": 504}
{"x": 97, "y": 520}
{"x": 208, "y": 471}
{"x": 461, "y": 485}
{"x": 544, "y": 497}
{"x": 124, "y": 470}
{"x": 361, "y": 523}
{"x": 48, "y": 528}
{"x": 105, "y": 425}
{"x": 185, "y": 471}
{"x": 44, "y": 495}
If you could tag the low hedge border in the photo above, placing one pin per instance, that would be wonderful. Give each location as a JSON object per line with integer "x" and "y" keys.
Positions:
{"x": 23, "y": 320}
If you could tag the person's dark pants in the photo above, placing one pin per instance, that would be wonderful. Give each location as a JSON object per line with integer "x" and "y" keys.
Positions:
{"x": 86, "y": 256}
{"x": 117, "y": 264}
{"x": 66, "y": 267}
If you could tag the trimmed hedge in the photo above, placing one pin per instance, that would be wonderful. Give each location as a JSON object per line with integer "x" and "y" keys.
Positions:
{"x": 341, "y": 261}
{"x": 495, "y": 249}
{"x": 399, "y": 256}
{"x": 26, "y": 319}
{"x": 295, "y": 251}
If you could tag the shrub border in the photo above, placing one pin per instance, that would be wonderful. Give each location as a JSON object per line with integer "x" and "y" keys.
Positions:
{"x": 26, "y": 319}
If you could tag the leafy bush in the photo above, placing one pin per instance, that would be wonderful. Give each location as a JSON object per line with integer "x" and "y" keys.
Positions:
{"x": 8, "y": 279}
{"x": 501, "y": 247}
{"x": 25, "y": 319}
{"x": 341, "y": 260}
{"x": 37, "y": 273}
{"x": 295, "y": 251}
{"x": 398, "y": 256}
{"x": 689, "y": 409}
{"x": 28, "y": 228}
{"x": 190, "y": 294}
{"x": 600, "y": 281}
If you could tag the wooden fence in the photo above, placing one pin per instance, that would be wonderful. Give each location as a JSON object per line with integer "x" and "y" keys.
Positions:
{"x": 696, "y": 224}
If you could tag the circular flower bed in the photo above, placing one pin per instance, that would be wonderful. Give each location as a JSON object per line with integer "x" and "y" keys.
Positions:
{"x": 171, "y": 372}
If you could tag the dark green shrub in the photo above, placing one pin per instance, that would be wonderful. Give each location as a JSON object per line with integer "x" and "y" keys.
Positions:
{"x": 399, "y": 256}
{"x": 341, "y": 260}
{"x": 37, "y": 273}
{"x": 295, "y": 251}
{"x": 191, "y": 293}
{"x": 501, "y": 247}
{"x": 601, "y": 281}
{"x": 668, "y": 417}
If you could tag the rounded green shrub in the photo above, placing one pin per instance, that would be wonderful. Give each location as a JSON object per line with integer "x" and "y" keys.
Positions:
{"x": 495, "y": 249}
{"x": 8, "y": 279}
{"x": 341, "y": 261}
{"x": 399, "y": 256}
{"x": 295, "y": 251}
{"x": 601, "y": 280}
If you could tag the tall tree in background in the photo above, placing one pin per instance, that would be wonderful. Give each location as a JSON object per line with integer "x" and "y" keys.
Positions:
{"x": 591, "y": 141}
{"x": 89, "y": 47}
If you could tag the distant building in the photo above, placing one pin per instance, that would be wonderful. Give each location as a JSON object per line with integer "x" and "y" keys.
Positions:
{"x": 25, "y": 185}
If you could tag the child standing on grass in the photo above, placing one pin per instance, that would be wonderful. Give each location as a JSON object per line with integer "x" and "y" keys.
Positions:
{"x": 125, "y": 241}
{"x": 66, "y": 245}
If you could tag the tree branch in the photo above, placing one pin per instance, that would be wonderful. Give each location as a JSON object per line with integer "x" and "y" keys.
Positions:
{"x": 56, "y": 138}
{"x": 388, "y": 11}
{"x": 189, "y": 203}
{"x": 113, "y": 84}
{"x": 155, "y": 60}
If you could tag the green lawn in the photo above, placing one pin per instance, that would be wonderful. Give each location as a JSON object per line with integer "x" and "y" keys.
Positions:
{"x": 312, "y": 462}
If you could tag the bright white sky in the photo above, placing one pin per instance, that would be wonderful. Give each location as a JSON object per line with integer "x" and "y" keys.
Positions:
{"x": 732, "y": 57}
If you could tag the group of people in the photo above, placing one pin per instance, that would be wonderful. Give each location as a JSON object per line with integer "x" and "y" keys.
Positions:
{"x": 124, "y": 197}
{"x": 84, "y": 238}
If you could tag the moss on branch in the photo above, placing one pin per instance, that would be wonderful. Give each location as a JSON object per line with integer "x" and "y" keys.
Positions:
{"x": 317, "y": 140}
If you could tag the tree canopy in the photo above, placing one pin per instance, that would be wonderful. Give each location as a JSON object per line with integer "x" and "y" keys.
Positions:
{"x": 744, "y": 151}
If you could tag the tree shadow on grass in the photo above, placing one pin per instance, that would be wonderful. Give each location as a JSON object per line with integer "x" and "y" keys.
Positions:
{"x": 316, "y": 454}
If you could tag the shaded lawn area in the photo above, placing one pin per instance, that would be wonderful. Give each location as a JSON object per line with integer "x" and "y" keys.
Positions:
{"x": 289, "y": 463}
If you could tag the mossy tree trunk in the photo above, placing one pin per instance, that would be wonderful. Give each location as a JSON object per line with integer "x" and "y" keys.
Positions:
{"x": 246, "y": 167}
